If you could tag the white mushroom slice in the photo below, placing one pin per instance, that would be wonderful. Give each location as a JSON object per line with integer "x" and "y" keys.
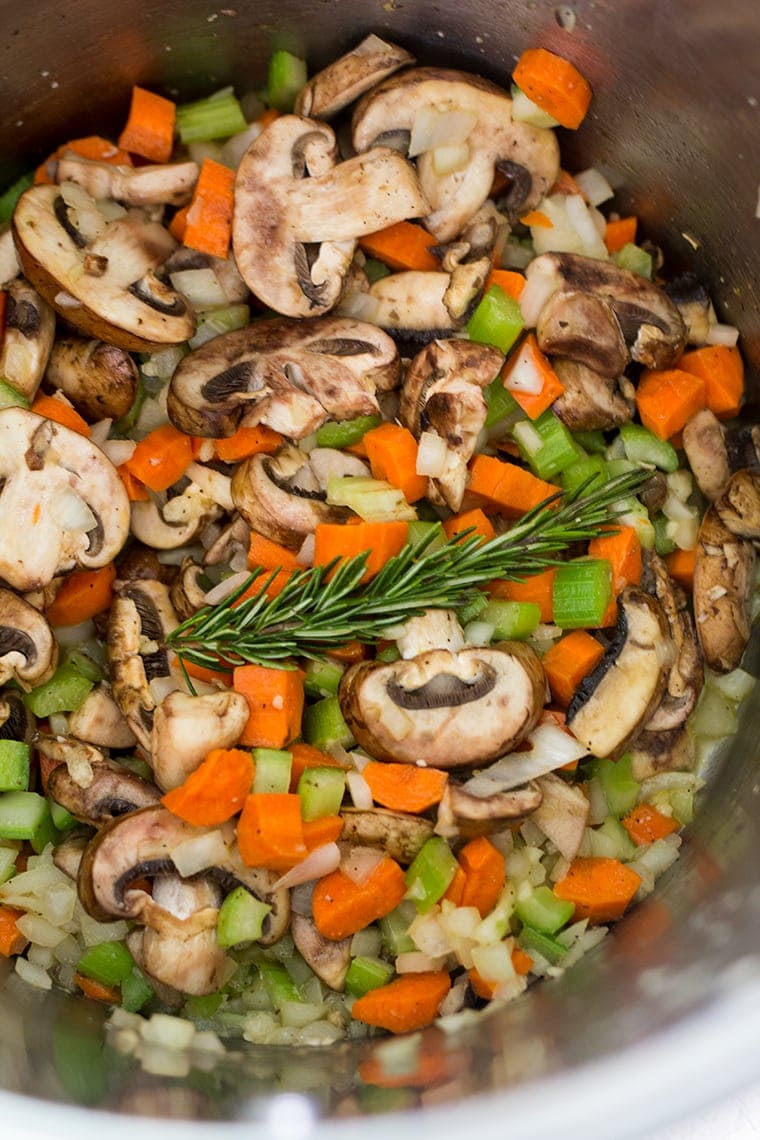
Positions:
{"x": 99, "y": 720}
{"x": 140, "y": 618}
{"x": 290, "y": 195}
{"x": 705, "y": 446}
{"x": 10, "y": 266}
{"x": 112, "y": 792}
{"x": 187, "y": 593}
{"x": 436, "y": 102}
{"x": 99, "y": 379}
{"x": 28, "y": 650}
{"x": 28, "y": 339}
{"x": 585, "y": 329}
{"x": 189, "y": 960}
{"x": 105, "y": 287}
{"x": 562, "y": 814}
{"x": 421, "y": 301}
{"x": 16, "y": 722}
{"x": 185, "y": 729}
{"x": 290, "y": 375}
{"x": 168, "y": 184}
{"x": 62, "y": 504}
{"x": 348, "y": 77}
{"x": 442, "y": 393}
{"x": 618, "y": 697}
{"x": 590, "y": 401}
{"x": 449, "y": 710}
{"x": 724, "y": 569}
{"x": 176, "y": 522}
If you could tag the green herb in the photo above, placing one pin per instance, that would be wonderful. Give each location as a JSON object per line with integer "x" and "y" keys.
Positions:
{"x": 326, "y": 606}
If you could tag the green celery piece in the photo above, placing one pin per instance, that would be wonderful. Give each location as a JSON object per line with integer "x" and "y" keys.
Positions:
{"x": 241, "y": 918}
{"x": 271, "y": 770}
{"x": 287, "y": 75}
{"x": 545, "y": 944}
{"x": 643, "y": 446}
{"x": 84, "y": 664}
{"x": 473, "y": 610}
{"x": 611, "y": 841}
{"x": 388, "y": 655}
{"x": 62, "y": 819}
{"x": 345, "y": 433}
{"x": 501, "y": 404}
{"x": 202, "y": 1007}
{"x": 64, "y": 692}
{"x": 321, "y": 792}
{"x": 216, "y": 118}
{"x": 635, "y": 259}
{"x": 278, "y": 984}
{"x": 218, "y": 321}
{"x": 14, "y": 766}
{"x": 432, "y": 531}
{"x": 558, "y": 448}
{"x": 11, "y": 398}
{"x": 581, "y": 593}
{"x": 10, "y": 197}
{"x": 8, "y": 857}
{"x": 429, "y": 874}
{"x": 136, "y": 991}
{"x": 591, "y": 441}
{"x": 324, "y": 726}
{"x": 394, "y": 928}
{"x": 375, "y": 270}
{"x": 663, "y": 544}
{"x": 511, "y": 620}
{"x": 26, "y": 815}
{"x": 620, "y": 789}
{"x": 322, "y": 678}
{"x": 365, "y": 974}
{"x": 497, "y": 320}
{"x": 682, "y": 803}
{"x": 108, "y": 963}
{"x": 592, "y": 471}
{"x": 543, "y": 911}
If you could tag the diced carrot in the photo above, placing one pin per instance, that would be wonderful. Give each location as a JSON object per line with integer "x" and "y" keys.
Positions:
{"x": 83, "y": 594}
{"x": 645, "y": 824}
{"x": 522, "y": 962}
{"x": 342, "y": 907}
{"x": 600, "y": 888}
{"x": 620, "y": 232}
{"x": 270, "y": 588}
{"x": 201, "y": 673}
{"x": 97, "y": 990}
{"x": 480, "y": 986}
{"x": 60, "y": 410}
{"x": 381, "y": 540}
{"x": 404, "y": 787}
{"x": 178, "y": 224}
{"x": 485, "y": 874}
{"x": 507, "y": 486}
{"x": 149, "y": 131}
{"x": 529, "y": 363}
{"x": 568, "y": 661}
{"x": 208, "y": 226}
{"x": 248, "y": 441}
{"x": 275, "y": 698}
{"x": 623, "y": 552}
{"x": 538, "y": 588}
{"x": 722, "y": 369}
{"x": 270, "y": 831}
{"x": 392, "y": 454}
{"x": 554, "y": 84}
{"x": 215, "y": 791}
{"x": 12, "y": 941}
{"x": 326, "y": 829}
{"x": 537, "y": 218}
{"x": 455, "y": 889}
{"x": 136, "y": 492}
{"x": 267, "y": 117}
{"x": 566, "y": 184}
{"x": 161, "y": 458}
{"x": 509, "y": 280}
{"x": 680, "y": 566}
{"x": 93, "y": 147}
{"x": 307, "y": 756}
{"x": 262, "y": 551}
{"x": 667, "y": 399}
{"x": 402, "y": 246}
{"x": 407, "y": 1003}
{"x": 349, "y": 653}
{"x": 474, "y": 520}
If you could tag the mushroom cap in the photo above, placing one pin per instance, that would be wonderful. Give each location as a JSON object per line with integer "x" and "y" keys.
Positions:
{"x": 687, "y": 674}
{"x": 190, "y": 961}
{"x": 704, "y": 442}
{"x": 724, "y": 568}
{"x": 113, "y": 791}
{"x": 449, "y": 710}
{"x": 140, "y": 617}
{"x": 584, "y": 328}
{"x": 100, "y": 379}
{"x": 186, "y": 728}
{"x": 426, "y": 302}
{"x": 739, "y": 505}
{"x": 328, "y": 959}
{"x": 671, "y": 750}
{"x": 291, "y": 375}
{"x": 28, "y": 338}
{"x": 98, "y": 720}
{"x": 397, "y": 834}
{"x": 168, "y": 183}
{"x": 348, "y": 77}
{"x": 562, "y": 814}
{"x": 122, "y": 302}
{"x": 49, "y": 471}
{"x": 28, "y": 650}
{"x": 590, "y": 401}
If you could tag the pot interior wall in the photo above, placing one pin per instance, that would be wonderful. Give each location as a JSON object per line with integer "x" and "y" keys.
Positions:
{"x": 673, "y": 122}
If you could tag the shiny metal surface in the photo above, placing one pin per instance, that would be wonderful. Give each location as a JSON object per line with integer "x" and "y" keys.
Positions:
{"x": 667, "y": 1012}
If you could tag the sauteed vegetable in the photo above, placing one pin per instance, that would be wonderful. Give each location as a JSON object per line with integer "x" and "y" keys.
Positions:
{"x": 377, "y": 555}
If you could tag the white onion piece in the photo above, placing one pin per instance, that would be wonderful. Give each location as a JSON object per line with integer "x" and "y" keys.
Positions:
{"x": 478, "y": 633}
{"x": 239, "y": 561}
{"x": 119, "y": 450}
{"x": 676, "y": 509}
{"x": 450, "y": 159}
{"x": 361, "y": 306}
{"x": 579, "y": 216}
{"x": 523, "y": 375}
{"x": 65, "y": 300}
{"x": 33, "y": 975}
{"x": 318, "y": 863}
{"x": 594, "y": 186}
{"x": 415, "y": 962}
{"x": 360, "y": 862}
{"x": 540, "y": 287}
{"x": 200, "y": 287}
{"x": 725, "y": 335}
{"x": 205, "y": 148}
{"x": 59, "y": 724}
{"x": 68, "y": 635}
{"x": 153, "y": 414}
{"x": 212, "y": 483}
{"x": 680, "y": 484}
{"x": 432, "y": 129}
{"x": 300, "y": 899}
{"x": 235, "y": 147}
{"x": 432, "y": 453}
{"x": 524, "y": 110}
{"x": 360, "y": 760}
{"x": 551, "y": 748}
{"x": 200, "y": 853}
{"x": 72, "y": 512}
{"x": 160, "y": 687}
{"x": 226, "y": 587}
{"x": 305, "y": 556}
{"x": 359, "y": 789}
{"x": 99, "y": 432}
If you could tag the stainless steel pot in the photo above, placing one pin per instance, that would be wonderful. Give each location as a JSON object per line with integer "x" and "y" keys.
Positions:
{"x": 666, "y": 1014}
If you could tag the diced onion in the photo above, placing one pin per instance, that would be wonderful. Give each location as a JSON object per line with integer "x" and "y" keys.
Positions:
{"x": 540, "y": 287}
{"x": 226, "y": 587}
{"x": 432, "y": 452}
{"x": 551, "y": 748}
{"x": 415, "y": 962}
{"x": 205, "y": 148}
{"x": 213, "y": 483}
{"x": 524, "y": 110}
{"x": 726, "y": 335}
{"x": 72, "y": 512}
{"x": 524, "y": 376}
{"x": 168, "y": 1030}
{"x": 450, "y": 159}
{"x": 735, "y": 685}
{"x": 119, "y": 450}
{"x": 305, "y": 556}
{"x": 594, "y": 186}
{"x": 580, "y": 217}
{"x": 318, "y": 863}
{"x": 432, "y": 129}
{"x": 99, "y": 432}
{"x": 359, "y": 790}
{"x": 235, "y": 147}
{"x": 33, "y": 975}
{"x": 478, "y": 633}
{"x": 40, "y": 931}
{"x": 200, "y": 287}
{"x": 160, "y": 687}
{"x": 68, "y": 635}
{"x": 360, "y": 862}
{"x": 200, "y": 853}
{"x": 494, "y": 963}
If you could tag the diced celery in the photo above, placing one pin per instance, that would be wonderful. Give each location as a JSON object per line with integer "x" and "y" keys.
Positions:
{"x": 611, "y": 841}
{"x": 62, "y": 819}
{"x": 511, "y": 620}
{"x": 432, "y": 531}
{"x": 682, "y": 803}
{"x": 84, "y": 664}
{"x": 591, "y": 471}
{"x": 218, "y": 321}
{"x": 278, "y": 984}
{"x": 373, "y": 500}
{"x": 524, "y": 110}
{"x": 26, "y": 815}
{"x": 546, "y": 945}
{"x": 635, "y": 259}
{"x": 345, "y": 433}
{"x": 324, "y": 726}
{"x": 202, "y": 1007}
{"x": 107, "y": 962}
{"x": 619, "y": 465}
{"x": 322, "y": 678}
{"x": 64, "y": 692}
{"x": 620, "y": 789}
{"x": 10, "y": 197}
{"x": 637, "y": 516}
{"x": 556, "y": 450}
{"x": 497, "y": 320}
{"x": 287, "y": 75}
{"x": 241, "y": 918}
{"x": 14, "y": 766}
{"x": 136, "y": 991}
{"x": 473, "y": 610}
{"x": 10, "y": 397}
{"x": 218, "y": 117}
{"x": 271, "y": 770}
{"x": 501, "y": 404}
{"x": 394, "y": 928}
{"x": 543, "y": 911}
{"x": 428, "y": 876}
{"x": 663, "y": 543}
{"x": 365, "y": 974}
{"x": 321, "y": 792}
{"x": 8, "y": 857}
{"x": 388, "y": 655}
{"x": 581, "y": 593}
{"x": 375, "y": 270}
{"x": 643, "y": 446}
{"x": 591, "y": 441}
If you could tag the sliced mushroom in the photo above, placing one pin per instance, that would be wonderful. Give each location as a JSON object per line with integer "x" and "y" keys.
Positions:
{"x": 234, "y": 539}
{"x": 106, "y": 287}
{"x": 99, "y": 721}
{"x": 583, "y": 328}
{"x": 298, "y": 212}
{"x": 619, "y": 696}
{"x": 16, "y": 722}
{"x": 650, "y": 323}
{"x": 62, "y": 503}
{"x": 672, "y": 750}
{"x": 281, "y": 496}
{"x": 329, "y": 960}
{"x": 174, "y": 522}
{"x": 739, "y": 506}
{"x": 457, "y": 106}
{"x": 435, "y": 629}
{"x": 140, "y": 618}
{"x": 590, "y": 401}
{"x": 705, "y": 446}
{"x": 10, "y": 267}
{"x": 397, "y": 834}
{"x": 290, "y": 375}
{"x": 348, "y": 77}
{"x": 686, "y": 675}
{"x": 28, "y": 650}
{"x": 113, "y": 792}
{"x": 562, "y": 814}
{"x": 693, "y": 303}
{"x": 187, "y": 591}
{"x": 28, "y": 339}
{"x": 99, "y": 379}
{"x": 724, "y": 569}
{"x": 186, "y": 729}
{"x": 429, "y": 303}
{"x": 449, "y": 710}
{"x": 465, "y": 815}
{"x": 442, "y": 393}
{"x": 169, "y": 184}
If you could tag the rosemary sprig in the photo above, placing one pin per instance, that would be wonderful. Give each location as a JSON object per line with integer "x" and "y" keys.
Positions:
{"x": 325, "y": 606}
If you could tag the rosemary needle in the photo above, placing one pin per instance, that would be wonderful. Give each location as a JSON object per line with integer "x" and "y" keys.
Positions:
{"x": 324, "y": 606}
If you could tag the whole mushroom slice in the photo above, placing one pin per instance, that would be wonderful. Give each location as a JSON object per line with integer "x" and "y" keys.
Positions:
{"x": 290, "y": 375}
{"x": 724, "y": 568}
{"x": 650, "y": 323}
{"x": 105, "y": 286}
{"x": 348, "y": 77}
{"x": 187, "y": 591}
{"x": 298, "y": 212}
{"x": 168, "y": 184}
{"x": 442, "y": 393}
{"x": 465, "y": 815}
{"x": 186, "y": 728}
{"x": 583, "y": 328}
{"x": 16, "y": 722}
{"x": 99, "y": 379}
{"x": 739, "y": 506}
{"x": 397, "y": 834}
{"x": 686, "y": 675}
{"x": 619, "y": 696}
{"x": 10, "y": 266}
{"x": 100, "y": 721}
{"x": 427, "y": 107}
{"x": 140, "y": 618}
{"x": 167, "y": 522}
{"x": 28, "y": 339}
{"x": 62, "y": 504}
{"x": 113, "y": 792}
{"x": 28, "y": 650}
{"x": 591, "y": 401}
{"x": 329, "y": 960}
{"x": 449, "y": 710}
